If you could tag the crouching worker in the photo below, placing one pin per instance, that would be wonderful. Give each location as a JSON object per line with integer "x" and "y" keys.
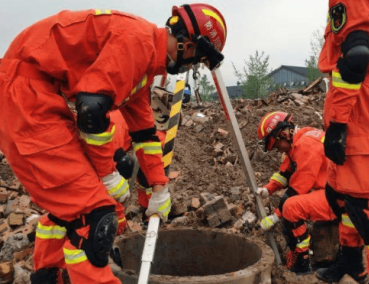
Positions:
{"x": 304, "y": 173}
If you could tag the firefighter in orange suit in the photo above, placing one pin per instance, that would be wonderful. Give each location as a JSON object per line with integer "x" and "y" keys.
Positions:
{"x": 345, "y": 57}
{"x": 304, "y": 172}
{"x": 102, "y": 60}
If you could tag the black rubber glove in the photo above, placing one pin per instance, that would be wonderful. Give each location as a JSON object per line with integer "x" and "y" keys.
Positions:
{"x": 124, "y": 164}
{"x": 335, "y": 142}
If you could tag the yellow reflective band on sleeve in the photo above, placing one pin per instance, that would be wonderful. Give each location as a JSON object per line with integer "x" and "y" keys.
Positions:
{"x": 120, "y": 189}
{"x": 98, "y": 139}
{"x": 304, "y": 244}
{"x": 140, "y": 85}
{"x": 74, "y": 256}
{"x": 323, "y": 139}
{"x": 280, "y": 179}
{"x": 165, "y": 208}
{"x": 339, "y": 83}
{"x": 102, "y": 12}
{"x": 50, "y": 232}
{"x": 150, "y": 148}
{"x": 346, "y": 221}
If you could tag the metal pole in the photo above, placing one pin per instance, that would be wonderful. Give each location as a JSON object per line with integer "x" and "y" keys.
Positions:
{"x": 242, "y": 152}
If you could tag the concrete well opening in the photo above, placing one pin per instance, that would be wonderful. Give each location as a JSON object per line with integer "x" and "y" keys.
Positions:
{"x": 197, "y": 256}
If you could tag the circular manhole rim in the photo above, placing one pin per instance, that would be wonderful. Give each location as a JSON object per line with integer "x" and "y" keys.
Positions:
{"x": 263, "y": 265}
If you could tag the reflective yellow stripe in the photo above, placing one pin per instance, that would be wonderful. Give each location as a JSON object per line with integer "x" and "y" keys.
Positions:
{"x": 265, "y": 119}
{"x": 346, "y": 221}
{"x": 267, "y": 222}
{"x": 50, "y": 232}
{"x": 121, "y": 220}
{"x": 102, "y": 12}
{"x": 98, "y": 139}
{"x": 165, "y": 208}
{"x": 140, "y": 85}
{"x": 339, "y": 83}
{"x": 120, "y": 189}
{"x": 74, "y": 256}
{"x": 216, "y": 17}
{"x": 147, "y": 190}
{"x": 150, "y": 148}
{"x": 280, "y": 179}
{"x": 304, "y": 244}
{"x": 323, "y": 139}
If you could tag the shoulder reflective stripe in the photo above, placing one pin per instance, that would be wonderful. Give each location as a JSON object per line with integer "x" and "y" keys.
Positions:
{"x": 339, "y": 83}
{"x": 98, "y": 139}
{"x": 140, "y": 85}
{"x": 279, "y": 178}
{"x": 150, "y": 148}
{"x": 102, "y": 12}
{"x": 304, "y": 244}
{"x": 50, "y": 232}
{"x": 323, "y": 139}
{"x": 346, "y": 221}
{"x": 74, "y": 256}
{"x": 120, "y": 189}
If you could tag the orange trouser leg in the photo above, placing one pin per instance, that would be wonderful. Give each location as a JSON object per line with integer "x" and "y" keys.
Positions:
{"x": 81, "y": 270}
{"x": 49, "y": 243}
{"x": 312, "y": 206}
{"x": 143, "y": 196}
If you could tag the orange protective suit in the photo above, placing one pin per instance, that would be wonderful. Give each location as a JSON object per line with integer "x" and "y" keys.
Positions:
{"x": 347, "y": 103}
{"x": 94, "y": 51}
{"x": 305, "y": 171}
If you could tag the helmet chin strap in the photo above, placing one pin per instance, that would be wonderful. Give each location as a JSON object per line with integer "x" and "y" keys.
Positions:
{"x": 174, "y": 67}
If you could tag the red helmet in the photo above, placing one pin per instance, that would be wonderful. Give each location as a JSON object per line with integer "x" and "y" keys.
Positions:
{"x": 271, "y": 125}
{"x": 203, "y": 20}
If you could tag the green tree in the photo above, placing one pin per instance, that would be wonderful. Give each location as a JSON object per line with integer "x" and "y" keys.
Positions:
{"x": 206, "y": 88}
{"x": 316, "y": 44}
{"x": 253, "y": 76}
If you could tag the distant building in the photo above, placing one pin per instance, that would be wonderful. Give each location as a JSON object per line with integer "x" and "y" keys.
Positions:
{"x": 289, "y": 76}
{"x": 233, "y": 92}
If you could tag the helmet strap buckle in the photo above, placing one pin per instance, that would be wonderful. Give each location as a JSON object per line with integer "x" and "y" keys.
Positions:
{"x": 180, "y": 46}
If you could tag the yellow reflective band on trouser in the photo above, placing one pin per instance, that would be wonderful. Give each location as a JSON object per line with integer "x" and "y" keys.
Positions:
{"x": 150, "y": 148}
{"x": 74, "y": 256}
{"x": 98, "y": 139}
{"x": 339, "y": 83}
{"x": 120, "y": 189}
{"x": 346, "y": 221}
{"x": 165, "y": 208}
{"x": 304, "y": 244}
{"x": 280, "y": 179}
{"x": 50, "y": 232}
{"x": 102, "y": 12}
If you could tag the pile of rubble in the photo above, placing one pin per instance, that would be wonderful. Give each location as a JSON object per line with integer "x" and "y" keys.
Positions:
{"x": 208, "y": 184}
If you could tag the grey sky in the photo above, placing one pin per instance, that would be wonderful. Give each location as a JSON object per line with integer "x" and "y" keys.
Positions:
{"x": 281, "y": 28}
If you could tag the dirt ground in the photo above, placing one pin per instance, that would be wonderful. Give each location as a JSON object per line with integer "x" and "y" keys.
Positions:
{"x": 201, "y": 169}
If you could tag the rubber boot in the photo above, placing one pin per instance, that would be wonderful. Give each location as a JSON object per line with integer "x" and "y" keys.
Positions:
{"x": 299, "y": 262}
{"x": 350, "y": 261}
{"x": 46, "y": 276}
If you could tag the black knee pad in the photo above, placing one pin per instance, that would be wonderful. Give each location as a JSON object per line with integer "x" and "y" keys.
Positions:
{"x": 45, "y": 276}
{"x": 103, "y": 223}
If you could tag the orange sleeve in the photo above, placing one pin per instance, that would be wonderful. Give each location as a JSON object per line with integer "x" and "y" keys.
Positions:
{"x": 273, "y": 186}
{"x": 308, "y": 160}
{"x": 139, "y": 117}
{"x": 343, "y": 99}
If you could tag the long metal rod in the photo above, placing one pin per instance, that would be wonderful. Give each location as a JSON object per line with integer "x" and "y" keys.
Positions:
{"x": 242, "y": 152}
{"x": 153, "y": 227}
